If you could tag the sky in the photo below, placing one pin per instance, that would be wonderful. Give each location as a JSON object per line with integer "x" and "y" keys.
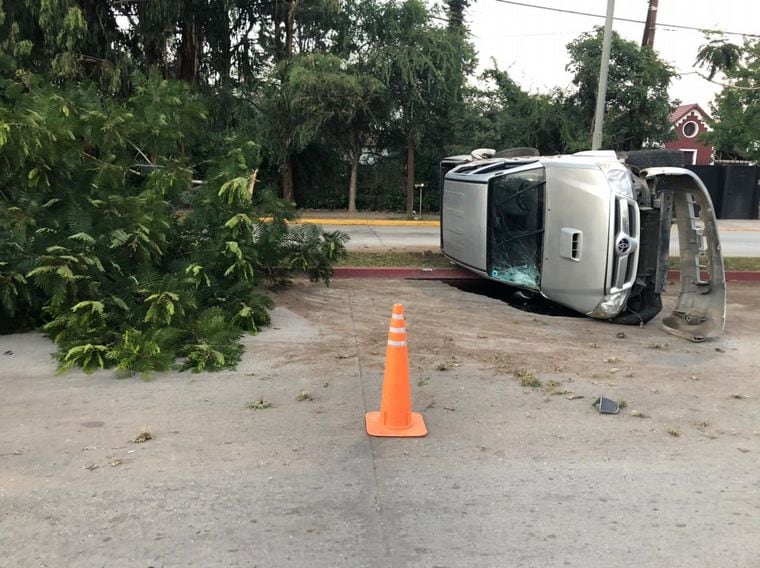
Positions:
{"x": 530, "y": 43}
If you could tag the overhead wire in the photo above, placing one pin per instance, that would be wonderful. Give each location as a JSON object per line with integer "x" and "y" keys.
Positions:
{"x": 589, "y": 14}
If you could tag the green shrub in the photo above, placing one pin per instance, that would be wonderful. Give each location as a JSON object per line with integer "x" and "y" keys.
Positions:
{"x": 111, "y": 248}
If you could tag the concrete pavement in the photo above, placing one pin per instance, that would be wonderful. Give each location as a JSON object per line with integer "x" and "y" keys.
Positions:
{"x": 509, "y": 475}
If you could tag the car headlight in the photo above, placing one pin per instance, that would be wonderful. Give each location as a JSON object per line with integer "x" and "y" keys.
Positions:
{"x": 610, "y": 305}
{"x": 619, "y": 179}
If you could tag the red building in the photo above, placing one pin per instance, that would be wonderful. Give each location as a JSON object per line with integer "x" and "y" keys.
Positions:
{"x": 689, "y": 122}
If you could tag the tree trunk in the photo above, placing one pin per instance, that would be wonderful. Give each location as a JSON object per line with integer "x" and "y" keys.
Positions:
{"x": 188, "y": 55}
{"x": 154, "y": 45}
{"x": 355, "y": 155}
{"x": 287, "y": 180}
{"x": 410, "y": 174}
{"x": 290, "y": 29}
{"x": 456, "y": 14}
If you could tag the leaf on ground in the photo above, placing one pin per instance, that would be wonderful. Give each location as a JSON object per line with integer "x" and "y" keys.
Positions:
{"x": 304, "y": 395}
{"x": 259, "y": 404}
{"x": 142, "y": 437}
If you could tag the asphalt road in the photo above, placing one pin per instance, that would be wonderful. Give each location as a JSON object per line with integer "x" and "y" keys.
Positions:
{"x": 736, "y": 241}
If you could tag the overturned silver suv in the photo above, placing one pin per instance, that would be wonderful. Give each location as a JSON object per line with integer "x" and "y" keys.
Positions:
{"x": 590, "y": 231}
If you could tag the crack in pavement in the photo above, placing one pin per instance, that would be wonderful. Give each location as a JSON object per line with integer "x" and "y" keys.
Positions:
{"x": 370, "y": 442}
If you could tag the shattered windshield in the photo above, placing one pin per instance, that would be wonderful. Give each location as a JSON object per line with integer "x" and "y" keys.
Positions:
{"x": 516, "y": 227}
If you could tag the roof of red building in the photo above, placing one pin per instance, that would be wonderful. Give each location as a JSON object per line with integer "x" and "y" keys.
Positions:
{"x": 682, "y": 110}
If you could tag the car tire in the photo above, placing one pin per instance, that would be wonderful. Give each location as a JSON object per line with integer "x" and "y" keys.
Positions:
{"x": 643, "y": 305}
{"x": 517, "y": 153}
{"x": 643, "y": 159}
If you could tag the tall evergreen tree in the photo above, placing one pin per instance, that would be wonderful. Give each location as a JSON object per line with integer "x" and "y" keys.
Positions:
{"x": 637, "y": 107}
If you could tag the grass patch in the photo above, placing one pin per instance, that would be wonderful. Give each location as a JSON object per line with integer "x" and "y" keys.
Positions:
{"x": 528, "y": 379}
{"x": 738, "y": 263}
{"x": 396, "y": 259}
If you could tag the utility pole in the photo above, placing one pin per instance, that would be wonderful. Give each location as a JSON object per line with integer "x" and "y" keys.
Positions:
{"x": 601, "y": 93}
{"x": 651, "y": 25}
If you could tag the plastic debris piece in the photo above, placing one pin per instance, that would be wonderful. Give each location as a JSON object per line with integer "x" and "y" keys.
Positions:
{"x": 606, "y": 405}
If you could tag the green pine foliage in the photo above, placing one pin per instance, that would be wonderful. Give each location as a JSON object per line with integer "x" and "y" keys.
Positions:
{"x": 122, "y": 250}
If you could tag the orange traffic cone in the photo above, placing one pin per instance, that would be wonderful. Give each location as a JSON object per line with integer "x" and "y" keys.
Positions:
{"x": 396, "y": 418}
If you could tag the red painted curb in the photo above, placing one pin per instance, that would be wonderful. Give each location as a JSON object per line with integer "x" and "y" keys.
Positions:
{"x": 461, "y": 274}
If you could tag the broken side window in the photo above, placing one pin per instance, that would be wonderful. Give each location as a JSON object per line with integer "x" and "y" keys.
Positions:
{"x": 516, "y": 227}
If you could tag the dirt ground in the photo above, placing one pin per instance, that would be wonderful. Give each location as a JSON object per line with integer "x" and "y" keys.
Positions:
{"x": 269, "y": 465}
{"x": 661, "y": 376}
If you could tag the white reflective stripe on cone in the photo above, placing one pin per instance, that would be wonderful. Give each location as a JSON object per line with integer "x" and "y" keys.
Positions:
{"x": 396, "y": 343}
{"x": 397, "y": 316}
{"x": 398, "y": 330}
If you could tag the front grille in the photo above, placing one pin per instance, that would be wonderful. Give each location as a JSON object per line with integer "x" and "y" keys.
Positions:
{"x": 625, "y": 244}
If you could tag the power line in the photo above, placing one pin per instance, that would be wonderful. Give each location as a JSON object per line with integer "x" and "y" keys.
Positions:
{"x": 577, "y": 13}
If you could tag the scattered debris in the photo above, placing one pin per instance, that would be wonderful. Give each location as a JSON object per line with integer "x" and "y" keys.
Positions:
{"x": 620, "y": 335}
{"x": 637, "y": 414}
{"x": 612, "y": 360}
{"x": 606, "y": 405}
{"x": 116, "y": 461}
{"x": 16, "y": 452}
{"x": 450, "y": 409}
{"x": 304, "y": 395}
{"x": 659, "y": 346}
{"x": 422, "y": 382}
{"x": 143, "y": 437}
{"x": 9, "y": 352}
{"x": 574, "y": 396}
{"x": 739, "y": 396}
{"x": 343, "y": 356}
{"x": 623, "y": 404}
{"x": 673, "y": 432}
{"x": 259, "y": 404}
{"x": 325, "y": 385}
{"x": 92, "y": 466}
{"x": 744, "y": 450}
{"x": 720, "y": 350}
{"x": 453, "y": 362}
{"x": 594, "y": 345}
{"x": 694, "y": 378}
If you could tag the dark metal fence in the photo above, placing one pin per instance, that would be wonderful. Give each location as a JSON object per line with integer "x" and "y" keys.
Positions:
{"x": 734, "y": 190}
